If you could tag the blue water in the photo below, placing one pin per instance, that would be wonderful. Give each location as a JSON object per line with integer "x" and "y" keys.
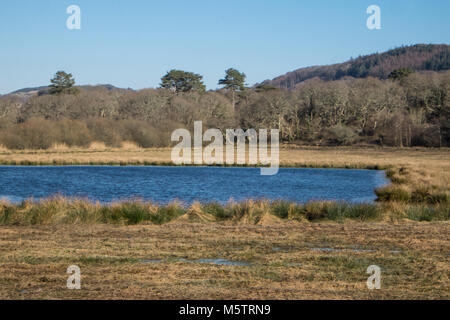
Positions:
{"x": 163, "y": 184}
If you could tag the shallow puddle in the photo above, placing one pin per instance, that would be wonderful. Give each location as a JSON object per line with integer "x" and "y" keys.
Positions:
{"x": 150, "y": 261}
{"x": 222, "y": 262}
{"x": 350, "y": 249}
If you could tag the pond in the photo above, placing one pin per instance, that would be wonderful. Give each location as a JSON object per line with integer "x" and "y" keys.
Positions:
{"x": 206, "y": 184}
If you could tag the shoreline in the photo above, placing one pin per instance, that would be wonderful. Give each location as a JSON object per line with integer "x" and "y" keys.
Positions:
{"x": 13, "y": 163}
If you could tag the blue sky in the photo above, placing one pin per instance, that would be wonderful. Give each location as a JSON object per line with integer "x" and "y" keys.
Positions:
{"x": 133, "y": 43}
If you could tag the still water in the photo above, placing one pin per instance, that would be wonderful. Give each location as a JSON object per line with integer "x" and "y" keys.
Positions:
{"x": 163, "y": 184}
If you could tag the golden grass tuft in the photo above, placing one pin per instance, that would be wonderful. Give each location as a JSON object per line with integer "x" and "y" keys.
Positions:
{"x": 129, "y": 146}
{"x": 268, "y": 219}
{"x": 97, "y": 146}
{"x": 195, "y": 214}
{"x": 59, "y": 147}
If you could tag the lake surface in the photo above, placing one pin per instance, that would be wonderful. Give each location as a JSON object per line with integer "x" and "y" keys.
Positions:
{"x": 163, "y": 184}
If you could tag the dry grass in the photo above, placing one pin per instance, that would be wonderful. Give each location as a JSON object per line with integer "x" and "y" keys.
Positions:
{"x": 285, "y": 261}
{"x": 97, "y": 146}
{"x": 130, "y": 146}
{"x": 57, "y": 147}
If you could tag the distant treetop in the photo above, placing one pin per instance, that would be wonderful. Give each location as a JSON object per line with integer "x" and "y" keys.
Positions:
{"x": 400, "y": 74}
{"x": 62, "y": 83}
{"x": 234, "y": 80}
{"x": 182, "y": 81}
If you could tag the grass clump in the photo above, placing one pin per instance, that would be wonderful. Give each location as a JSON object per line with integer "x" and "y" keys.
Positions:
{"x": 281, "y": 209}
{"x": 392, "y": 193}
{"x": 59, "y": 210}
{"x": 165, "y": 214}
{"x": 217, "y": 210}
{"x": 315, "y": 211}
{"x": 423, "y": 195}
{"x": 338, "y": 211}
{"x": 247, "y": 210}
{"x": 363, "y": 211}
{"x": 127, "y": 212}
{"x": 428, "y": 213}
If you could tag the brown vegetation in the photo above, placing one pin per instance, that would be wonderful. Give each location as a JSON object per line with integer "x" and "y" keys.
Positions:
{"x": 287, "y": 261}
{"x": 413, "y": 111}
{"x": 380, "y": 65}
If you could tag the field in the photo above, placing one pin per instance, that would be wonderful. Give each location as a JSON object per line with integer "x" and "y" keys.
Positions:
{"x": 284, "y": 256}
{"x": 287, "y": 261}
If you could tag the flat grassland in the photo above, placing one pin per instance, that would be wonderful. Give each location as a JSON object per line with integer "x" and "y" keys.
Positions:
{"x": 287, "y": 259}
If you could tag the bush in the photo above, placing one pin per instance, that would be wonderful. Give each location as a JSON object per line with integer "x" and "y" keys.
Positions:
{"x": 340, "y": 135}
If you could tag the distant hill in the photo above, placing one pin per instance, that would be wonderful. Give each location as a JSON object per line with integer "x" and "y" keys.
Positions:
{"x": 417, "y": 57}
{"x": 29, "y": 92}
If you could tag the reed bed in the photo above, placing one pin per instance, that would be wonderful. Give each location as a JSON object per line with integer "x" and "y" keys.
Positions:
{"x": 61, "y": 210}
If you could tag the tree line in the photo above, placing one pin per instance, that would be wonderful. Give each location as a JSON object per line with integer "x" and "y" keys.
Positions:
{"x": 406, "y": 109}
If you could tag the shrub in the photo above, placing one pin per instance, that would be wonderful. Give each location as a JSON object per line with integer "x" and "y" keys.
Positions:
{"x": 340, "y": 135}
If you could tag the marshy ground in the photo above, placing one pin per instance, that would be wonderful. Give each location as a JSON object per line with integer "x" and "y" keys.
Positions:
{"x": 292, "y": 253}
{"x": 287, "y": 260}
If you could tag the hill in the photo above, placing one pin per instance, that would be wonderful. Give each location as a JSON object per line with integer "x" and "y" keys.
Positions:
{"x": 418, "y": 57}
{"x": 26, "y": 93}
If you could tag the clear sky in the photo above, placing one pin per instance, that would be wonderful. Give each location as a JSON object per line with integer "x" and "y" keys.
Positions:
{"x": 133, "y": 43}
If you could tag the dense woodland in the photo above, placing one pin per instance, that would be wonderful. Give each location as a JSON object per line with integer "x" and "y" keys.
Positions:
{"x": 407, "y": 107}
{"x": 420, "y": 57}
